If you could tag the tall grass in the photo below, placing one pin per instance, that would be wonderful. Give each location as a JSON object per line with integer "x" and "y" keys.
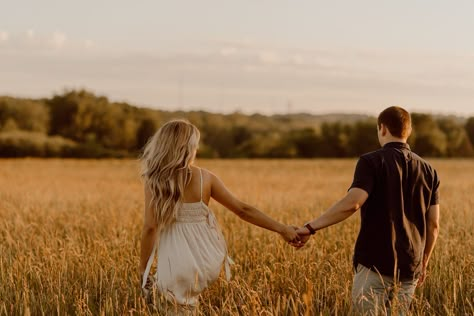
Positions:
{"x": 70, "y": 232}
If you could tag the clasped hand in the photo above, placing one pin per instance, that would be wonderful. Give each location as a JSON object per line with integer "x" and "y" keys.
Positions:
{"x": 296, "y": 236}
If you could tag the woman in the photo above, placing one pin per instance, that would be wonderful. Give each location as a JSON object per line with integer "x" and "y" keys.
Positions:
{"x": 178, "y": 223}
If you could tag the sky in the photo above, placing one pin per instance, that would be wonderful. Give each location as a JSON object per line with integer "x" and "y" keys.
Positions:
{"x": 252, "y": 56}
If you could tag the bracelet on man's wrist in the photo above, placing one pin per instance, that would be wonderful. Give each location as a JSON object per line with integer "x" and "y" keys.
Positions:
{"x": 312, "y": 231}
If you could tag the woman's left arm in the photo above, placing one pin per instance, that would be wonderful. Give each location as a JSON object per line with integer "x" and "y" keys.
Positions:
{"x": 247, "y": 212}
{"x": 148, "y": 233}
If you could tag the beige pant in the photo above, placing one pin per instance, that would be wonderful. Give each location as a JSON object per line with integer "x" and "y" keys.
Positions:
{"x": 376, "y": 294}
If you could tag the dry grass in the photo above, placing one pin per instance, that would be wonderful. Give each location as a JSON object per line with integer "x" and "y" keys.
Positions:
{"x": 70, "y": 231}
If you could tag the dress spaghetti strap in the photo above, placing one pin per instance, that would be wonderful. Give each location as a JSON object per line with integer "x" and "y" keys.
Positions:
{"x": 200, "y": 174}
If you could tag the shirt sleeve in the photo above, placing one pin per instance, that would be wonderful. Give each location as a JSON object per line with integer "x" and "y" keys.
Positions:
{"x": 435, "y": 190}
{"x": 364, "y": 176}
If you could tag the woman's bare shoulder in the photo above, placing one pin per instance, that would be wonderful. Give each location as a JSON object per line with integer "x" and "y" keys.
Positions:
{"x": 205, "y": 172}
{"x": 209, "y": 177}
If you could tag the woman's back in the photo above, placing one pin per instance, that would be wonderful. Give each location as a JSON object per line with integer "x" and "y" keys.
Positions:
{"x": 198, "y": 188}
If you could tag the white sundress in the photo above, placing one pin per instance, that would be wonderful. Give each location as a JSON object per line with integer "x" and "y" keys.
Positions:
{"x": 190, "y": 254}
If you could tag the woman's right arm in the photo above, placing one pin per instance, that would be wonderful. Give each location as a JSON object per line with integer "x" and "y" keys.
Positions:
{"x": 148, "y": 232}
{"x": 248, "y": 213}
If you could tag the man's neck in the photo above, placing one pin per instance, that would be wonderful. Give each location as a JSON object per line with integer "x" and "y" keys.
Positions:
{"x": 392, "y": 139}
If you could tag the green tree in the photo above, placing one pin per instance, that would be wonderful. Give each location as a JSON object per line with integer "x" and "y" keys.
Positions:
{"x": 363, "y": 137}
{"x": 146, "y": 129}
{"x": 306, "y": 142}
{"x": 427, "y": 138}
{"x": 63, "y": 110}
{"x": 9, "y": 125}
{"x": 334, "y": 140}
{"x": 86, "y": 118}
{"x": 24, "y": 114}
{"x": 469, "y": 127}
{"x": 458, "y": 143}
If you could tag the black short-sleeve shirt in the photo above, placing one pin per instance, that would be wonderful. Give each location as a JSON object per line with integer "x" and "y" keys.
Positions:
{"x": 401, "y": 187}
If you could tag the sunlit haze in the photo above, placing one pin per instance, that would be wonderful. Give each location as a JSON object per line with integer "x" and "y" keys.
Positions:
{"x": 248, "y": 55}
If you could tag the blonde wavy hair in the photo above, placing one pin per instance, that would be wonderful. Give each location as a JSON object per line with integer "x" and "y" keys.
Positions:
{"x": 166, "y": 167}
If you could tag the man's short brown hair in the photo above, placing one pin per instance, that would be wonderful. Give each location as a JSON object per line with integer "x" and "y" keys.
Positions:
{"x": 397, "y": 120}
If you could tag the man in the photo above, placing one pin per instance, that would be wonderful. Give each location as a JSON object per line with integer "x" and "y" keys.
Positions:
{"x": 397, "y": 192}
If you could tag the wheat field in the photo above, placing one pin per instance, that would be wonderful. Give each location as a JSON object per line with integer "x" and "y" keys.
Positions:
{"x": 70, "y": 233}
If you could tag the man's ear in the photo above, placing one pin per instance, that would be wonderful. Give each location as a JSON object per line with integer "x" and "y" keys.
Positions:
{"x": 409, "y": 131}
{"x": 383, "y": 130}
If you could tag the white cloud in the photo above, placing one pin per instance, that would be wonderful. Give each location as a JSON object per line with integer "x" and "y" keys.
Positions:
{"x": 89, "y": 44}
{"x": 30, "y": 33}
{"x": 4, "y": 36}
{"x": 58, "y": 39}
{"x": 243, "y": 43}
{"x": 32, "y": 42}
{"x": 228, "y": 51}
{"x": 297, "y": 59}
{"x": 269, "y": 57}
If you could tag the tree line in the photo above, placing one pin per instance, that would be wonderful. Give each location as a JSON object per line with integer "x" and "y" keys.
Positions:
{"x": 84, "y": 125}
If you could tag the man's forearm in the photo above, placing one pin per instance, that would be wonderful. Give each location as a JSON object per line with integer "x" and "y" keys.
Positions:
{"x": 344, "y": 208}
{"x": 432, "y": 229}
{"x": 431, "y": 237}
{"x": 335, "y": 214}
